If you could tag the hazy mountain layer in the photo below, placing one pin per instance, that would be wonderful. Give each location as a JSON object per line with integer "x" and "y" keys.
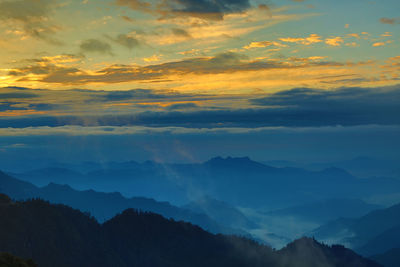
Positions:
{"x": 103, "y": 206}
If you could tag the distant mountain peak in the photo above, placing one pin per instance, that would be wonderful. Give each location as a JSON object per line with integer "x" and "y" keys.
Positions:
{"x": 229, "y": 158}
{"x": 58, "y": 186}
{"x": 237, "y": 164}
{"x": 233, "y": 160}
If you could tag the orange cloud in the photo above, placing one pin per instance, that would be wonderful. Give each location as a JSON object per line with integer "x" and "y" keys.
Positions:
{"x": 263, "y": 44}
{"x": 386, "y": 34}
{"x": 355, "y": 35}
{"x": 312, "y": 39}
{"x": 378, "y": 44}
{"x": 153, "y": 58}
{"x": 334, "y": 41}
{"x": 16, "y": 113}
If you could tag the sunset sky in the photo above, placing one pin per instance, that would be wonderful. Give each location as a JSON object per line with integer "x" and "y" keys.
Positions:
{"x": 201, "y": 70}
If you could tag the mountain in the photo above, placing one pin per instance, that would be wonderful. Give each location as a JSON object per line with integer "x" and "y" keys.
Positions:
{"x": 16, "y": 188}
{"x": 9, "y": 260}
{"x": 390, "y": 258}
{"x": 56, "y": 235}
{"x": 306, "y": 252}
{"x": 243, "y": 164}
{"x": 360, "y": 166}
{"x": 370, "y": 234}
{"x": 53, "y": 235}
{"x": 221, "y": 212}
{"x": 381, "y": 243}
{"x": 103, "y": 206}
{"x": 363, "y": 167}
{"x": 236, "y": 181}
{"x": 326, "y": 210}
{"x": 44, "y": 176}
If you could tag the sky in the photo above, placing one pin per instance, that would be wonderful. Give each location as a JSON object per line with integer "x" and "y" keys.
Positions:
{"x": 185, "y": 80}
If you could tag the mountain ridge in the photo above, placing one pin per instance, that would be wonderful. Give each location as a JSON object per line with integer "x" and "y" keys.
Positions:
{"x": 105, "y": 205}
{"x": 57, "y": 235}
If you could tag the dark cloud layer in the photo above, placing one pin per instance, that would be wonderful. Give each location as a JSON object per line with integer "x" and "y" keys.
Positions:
{"x": 210, "y": 8}
{"x": 347, "y": 106}
{"x": 7, "y": 96}
{"x": 182, "y": 106}
{"x": 294, "y": 108}
{"x": 132, "y": 94}
{"x": 207, "y": 9}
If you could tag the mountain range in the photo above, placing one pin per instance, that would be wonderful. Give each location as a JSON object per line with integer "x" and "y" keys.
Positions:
{"x": 327, "y": 210}
{"x": 237, "y": 181}
{"x": 361, "y": 166}
{"x": 376, "y": 234}
{"x": 104, "y": 206}
{"x": 57, "y": 235}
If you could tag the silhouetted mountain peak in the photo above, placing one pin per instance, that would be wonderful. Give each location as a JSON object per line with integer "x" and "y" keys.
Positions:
{"x": 130, "y": 215}
{"x": 54, "y": 186}
{"x": 304, "y": 241}
{"x": 309, "y": 252}
{"x": 236, "y": 163}
{"x": 229, "y": 159}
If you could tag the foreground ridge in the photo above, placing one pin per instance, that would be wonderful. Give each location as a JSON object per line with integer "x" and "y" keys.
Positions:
{"x": 57, "y": 235}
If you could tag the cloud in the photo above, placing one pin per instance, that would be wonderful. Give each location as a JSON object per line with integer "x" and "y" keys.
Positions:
{"x": 73, "y": 130}
{"x": 378, "y": 44}
{"x": 355, "y": 35}
{"x": 153, "y": 58}
{"x": 136, "y": 5}
{"x": 387, "y": 34}
{"x": 43, "y": 98}
{"x": 205, "y": 9}
{"x": 13, "y": 95}
{"x": 126, "y": 40}
{"x": 390, "y": 21}
{"x": 263, "y": 44}
{"x": 128, "y": 19}
{"x": 182, "y": 106}
{"x": 334, "y": 41}
{"x": 42, "y": 68}
{"x": 347, "y": 106}
{"x": 129, "y": 95}
{"x": 181, "y": 33}
{"x": 302, "y": 107}
{"x": 222, "y": 63}
{"x": 312, "y": 39}
{"x": 96, "y": 46}
{"x": 33, "y": 15}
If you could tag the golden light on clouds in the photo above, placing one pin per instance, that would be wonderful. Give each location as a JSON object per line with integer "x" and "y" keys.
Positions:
{"x": 226, "y": 48}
